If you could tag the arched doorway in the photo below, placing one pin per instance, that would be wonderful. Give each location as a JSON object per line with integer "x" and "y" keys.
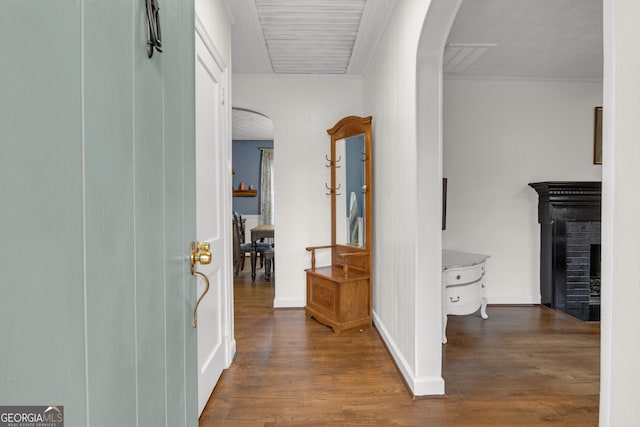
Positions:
{"x": 429, "y": 148}
{"x": 252, "y": 167}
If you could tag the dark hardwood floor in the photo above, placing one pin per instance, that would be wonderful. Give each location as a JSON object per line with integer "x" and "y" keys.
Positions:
{"x": 524, "y": 366}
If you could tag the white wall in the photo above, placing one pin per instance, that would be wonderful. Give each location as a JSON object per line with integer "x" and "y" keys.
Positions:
{"x": 407, "y": 169}
{"x": 302, "y": 108}
{"x": 498, "y": 137}
{"x": 390, "y": 92}
{"x": 620, "y": 348}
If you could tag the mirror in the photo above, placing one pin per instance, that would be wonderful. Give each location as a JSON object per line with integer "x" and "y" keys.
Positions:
{"x": 350, "y": 161}
{"x": 351, "y": 182}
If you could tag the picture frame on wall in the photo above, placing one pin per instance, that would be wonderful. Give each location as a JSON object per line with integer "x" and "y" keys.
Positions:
{"x": 597, "y": 137}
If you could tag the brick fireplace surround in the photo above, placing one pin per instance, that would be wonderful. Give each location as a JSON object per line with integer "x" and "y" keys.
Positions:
{"x": 569, "y": 218}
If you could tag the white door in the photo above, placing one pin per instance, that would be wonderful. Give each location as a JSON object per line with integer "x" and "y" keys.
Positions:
{"x": 212, "y": 222}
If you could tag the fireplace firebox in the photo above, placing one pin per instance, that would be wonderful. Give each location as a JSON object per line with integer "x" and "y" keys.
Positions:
{"x": 569, "y": 218}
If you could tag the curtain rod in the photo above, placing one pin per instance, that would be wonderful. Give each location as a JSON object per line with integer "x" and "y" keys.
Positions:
{"x": 265, "y": 148}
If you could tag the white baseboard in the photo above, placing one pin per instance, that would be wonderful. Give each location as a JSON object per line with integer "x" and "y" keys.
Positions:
{"x": 288, "y": 303}
{"x": 232, "y": 352}
{"x": 514, "y": 299}
{"x": 422, "y": 386}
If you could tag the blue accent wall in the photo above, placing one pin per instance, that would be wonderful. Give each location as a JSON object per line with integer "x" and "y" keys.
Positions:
{"x": 246, "y": 159}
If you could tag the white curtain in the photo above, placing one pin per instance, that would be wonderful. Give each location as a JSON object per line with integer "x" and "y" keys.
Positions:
{"x": 266, "y": 187}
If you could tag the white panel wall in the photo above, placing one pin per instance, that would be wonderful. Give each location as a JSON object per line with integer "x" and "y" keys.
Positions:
{"x": 302, "y": 109}
{"x": 407, "y": 249}
{"x": 251, "y": 221}
{"x": 620, "y": 348}
{"x": 391, "y": 94}
{"x": 498, "y": 137}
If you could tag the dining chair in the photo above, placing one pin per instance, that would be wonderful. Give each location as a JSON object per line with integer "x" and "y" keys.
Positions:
{"x": 242, "y": 248}
{"x": 269, "y": 262}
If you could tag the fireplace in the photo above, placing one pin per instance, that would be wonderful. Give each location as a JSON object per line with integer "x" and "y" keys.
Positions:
{"x": 569, "y": 217}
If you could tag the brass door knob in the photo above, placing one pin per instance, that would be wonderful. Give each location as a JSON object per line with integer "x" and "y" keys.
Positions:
{"x": 204, "y": 258}
{"x": 200, "y": 253}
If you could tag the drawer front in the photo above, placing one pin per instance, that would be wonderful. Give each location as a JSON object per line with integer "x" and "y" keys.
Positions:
{"x": 459, "y": 276}
{"x": 464, "y": 299}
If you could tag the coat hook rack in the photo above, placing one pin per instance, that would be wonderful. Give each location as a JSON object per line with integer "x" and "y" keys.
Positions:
{"x": 332, "y": 190}
{"x": 332, "y": 163}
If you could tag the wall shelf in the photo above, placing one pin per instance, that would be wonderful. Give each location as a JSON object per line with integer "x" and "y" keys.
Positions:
{"x": 245, "y": 193}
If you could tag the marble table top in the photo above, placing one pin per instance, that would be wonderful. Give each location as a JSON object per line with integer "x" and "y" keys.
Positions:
{"x": 453, "y": 259}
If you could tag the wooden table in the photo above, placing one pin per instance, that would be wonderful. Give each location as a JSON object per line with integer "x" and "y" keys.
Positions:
{"x": 257, "y": 233}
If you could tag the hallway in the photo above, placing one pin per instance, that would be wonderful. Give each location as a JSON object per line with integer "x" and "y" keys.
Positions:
{"x": 522, "y": 366}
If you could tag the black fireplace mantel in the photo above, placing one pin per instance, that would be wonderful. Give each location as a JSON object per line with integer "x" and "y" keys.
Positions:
{"x": 557, "y": 195}
{"x": 563, "y": 206}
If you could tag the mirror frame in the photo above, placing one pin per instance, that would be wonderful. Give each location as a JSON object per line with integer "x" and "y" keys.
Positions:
{"x": 345, "y": 128}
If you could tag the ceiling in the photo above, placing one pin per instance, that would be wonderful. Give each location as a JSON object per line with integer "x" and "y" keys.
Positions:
{"x": 305, "y": 36}
{"x": 493, "y": 39}
{"x": 527, "y": 39}
{"x": 250, "y": 126}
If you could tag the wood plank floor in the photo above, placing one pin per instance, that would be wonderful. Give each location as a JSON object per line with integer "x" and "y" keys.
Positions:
{"x": 524, "y": 366}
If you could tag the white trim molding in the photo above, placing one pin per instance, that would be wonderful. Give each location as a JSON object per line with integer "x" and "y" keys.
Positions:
{"x": 288, "y": 303}
{"x": 420, "y": 386}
